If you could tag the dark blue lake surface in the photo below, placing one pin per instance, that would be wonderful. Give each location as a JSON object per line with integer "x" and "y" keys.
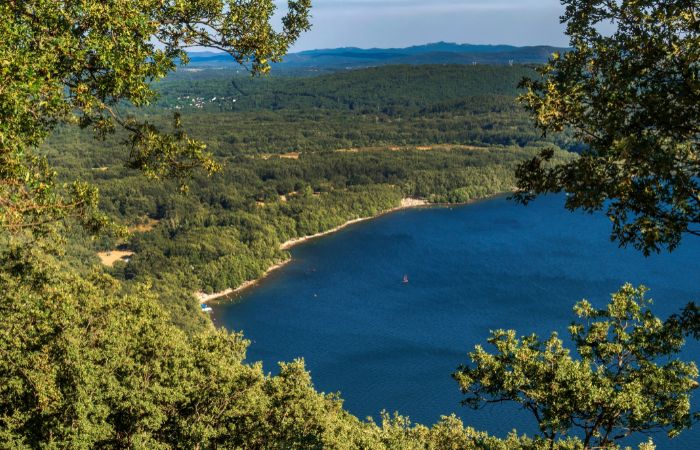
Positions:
{"x": 342, "y": 306}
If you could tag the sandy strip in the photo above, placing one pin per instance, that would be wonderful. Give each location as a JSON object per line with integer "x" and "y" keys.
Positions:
{"x": 296, "y": 241}
{"x": 405, "y": 203}
{"x": 109, "y": 258}
{"x": 203, "y": 297}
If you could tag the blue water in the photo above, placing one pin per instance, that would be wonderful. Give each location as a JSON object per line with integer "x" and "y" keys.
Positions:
{"x": 342, "y": 306}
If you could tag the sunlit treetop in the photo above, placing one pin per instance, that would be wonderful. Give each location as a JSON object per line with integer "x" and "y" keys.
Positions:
{"x": 625, "y": 378}
{"x": 77, "y": 61}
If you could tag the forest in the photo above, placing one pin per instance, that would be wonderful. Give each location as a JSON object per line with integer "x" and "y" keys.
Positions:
{"x": 395, "y": 105}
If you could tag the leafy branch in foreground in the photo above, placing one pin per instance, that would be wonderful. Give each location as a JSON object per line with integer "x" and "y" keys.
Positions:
{"x": 77, "y": 61}
{"x": 627, "y": 378}
{"x": 633, "y": 96}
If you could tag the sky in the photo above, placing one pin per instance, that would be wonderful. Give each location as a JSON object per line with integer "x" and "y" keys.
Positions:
{"x": 402, "y": 23}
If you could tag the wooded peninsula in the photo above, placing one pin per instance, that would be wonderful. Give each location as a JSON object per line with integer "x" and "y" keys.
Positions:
{"x": 287, "y": 171}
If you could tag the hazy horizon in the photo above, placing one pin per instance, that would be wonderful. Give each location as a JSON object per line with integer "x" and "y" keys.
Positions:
{"x": 406, "y": 23}
{"x": 203, "y": 50}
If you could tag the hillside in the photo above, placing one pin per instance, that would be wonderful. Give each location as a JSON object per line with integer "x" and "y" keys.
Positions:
{"x": 398, "y": 89}
{"x": 392, "y": 105}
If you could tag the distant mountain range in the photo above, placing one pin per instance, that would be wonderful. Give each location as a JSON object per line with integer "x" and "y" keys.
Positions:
{"x": 437, "y": 53}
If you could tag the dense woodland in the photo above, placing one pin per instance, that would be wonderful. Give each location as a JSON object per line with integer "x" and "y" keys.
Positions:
{"x": 395, "y": 105}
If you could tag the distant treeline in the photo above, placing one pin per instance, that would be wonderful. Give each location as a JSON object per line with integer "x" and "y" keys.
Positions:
{"x": 355, "y": 58}
{"x": 392, "y": 90}
{"x": 394, "y": 105}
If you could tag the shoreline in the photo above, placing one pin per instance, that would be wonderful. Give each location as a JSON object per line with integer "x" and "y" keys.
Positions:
{"x": 406, "y": 203}
{"x": 204, "y": 297}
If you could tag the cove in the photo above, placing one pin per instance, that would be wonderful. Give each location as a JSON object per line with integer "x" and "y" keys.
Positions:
{"x": 342, "y": 306}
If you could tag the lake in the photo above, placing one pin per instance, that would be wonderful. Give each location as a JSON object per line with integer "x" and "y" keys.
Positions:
{"x": 341, "y": 303}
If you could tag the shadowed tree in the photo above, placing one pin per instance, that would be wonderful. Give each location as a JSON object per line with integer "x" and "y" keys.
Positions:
{"x": 630, "y": 90}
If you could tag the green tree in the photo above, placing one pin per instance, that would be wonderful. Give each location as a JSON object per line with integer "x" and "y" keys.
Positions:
{"x": 629, "y": 89}
{"x": 85, "y": 366}
{"x": 626, "y": 379}
{"x": 79, "y": 62}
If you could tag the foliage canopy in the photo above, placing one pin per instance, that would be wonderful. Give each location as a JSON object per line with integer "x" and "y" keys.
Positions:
{"x": 633, "y": 96}
{"x": 626, "y": 379}
{"x": 78, "y": 61}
